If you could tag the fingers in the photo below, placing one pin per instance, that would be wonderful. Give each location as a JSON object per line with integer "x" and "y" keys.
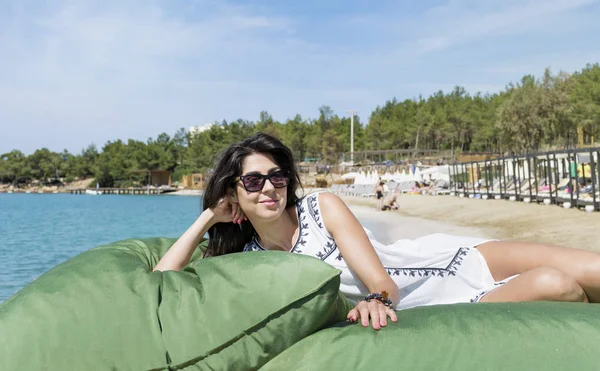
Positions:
{"x": 374, "y": 311}
{"x": 363, "y": 313}
{"x": 233, "y": 211}
{"x": 382, "y": 315}
{"x": 236, "y": 212}
{"x": 352, "y": 315}
{"x": 237, "y": 215}
{"x": 240, "y": 215}
{"x": 235, "y": 208}
{"x": 392, "y": 314}
{"x": 375, "y": 315}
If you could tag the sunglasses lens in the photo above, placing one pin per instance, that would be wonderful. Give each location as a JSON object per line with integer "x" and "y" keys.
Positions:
{"x": 254, "y": 183}
{"x": 279, "y": 179}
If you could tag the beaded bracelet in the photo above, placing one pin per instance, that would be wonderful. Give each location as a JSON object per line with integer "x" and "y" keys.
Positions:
{"x": 382, "y": 297}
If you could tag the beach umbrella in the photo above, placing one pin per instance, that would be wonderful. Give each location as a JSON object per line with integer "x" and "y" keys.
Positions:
{"x": 417, "y": 175}
{"x": 374, "y": 177}
{"x": 363, "y": 177}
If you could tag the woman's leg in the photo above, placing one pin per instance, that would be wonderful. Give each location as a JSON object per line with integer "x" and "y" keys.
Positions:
{"x": 542, "y": 283}
{"x": 506, "y": 259}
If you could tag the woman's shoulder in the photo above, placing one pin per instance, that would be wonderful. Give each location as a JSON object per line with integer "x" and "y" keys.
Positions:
{"x": 319, "y": 203}
{"x": 313, "y": 196}
{"x": 319, "y": 196}
{"x": 326, "y": 202}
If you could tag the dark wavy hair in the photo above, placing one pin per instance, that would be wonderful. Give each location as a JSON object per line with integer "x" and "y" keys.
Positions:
{"x": 226, "y": 238}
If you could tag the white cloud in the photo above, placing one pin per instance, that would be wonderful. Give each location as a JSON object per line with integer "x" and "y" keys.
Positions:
{"x": 460, "y": 22}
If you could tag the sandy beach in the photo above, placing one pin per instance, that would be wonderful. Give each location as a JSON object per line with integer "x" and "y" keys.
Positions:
{"x": 391, "y": 226}
{"x": 501, "y": 219}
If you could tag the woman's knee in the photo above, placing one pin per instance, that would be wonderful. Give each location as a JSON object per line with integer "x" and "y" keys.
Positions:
{"x": 590, "y": 271}
{"x": 553, "y": 284}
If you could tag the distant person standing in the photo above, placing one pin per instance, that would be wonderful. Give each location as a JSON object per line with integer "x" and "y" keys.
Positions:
{"x": 379, "y": 194}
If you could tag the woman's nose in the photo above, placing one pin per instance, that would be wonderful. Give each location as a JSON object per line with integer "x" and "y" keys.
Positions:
{"x": 268, "y": 186}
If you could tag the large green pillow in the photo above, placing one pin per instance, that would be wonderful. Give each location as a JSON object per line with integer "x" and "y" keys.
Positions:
{"x": 499, "y": 336}
{"x": 97, "y": 311}
{"x": 237, "y": 312}
{"x": 106, "y": 310}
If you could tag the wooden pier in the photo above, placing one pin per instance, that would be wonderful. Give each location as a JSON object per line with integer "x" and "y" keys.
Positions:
{"x": 121, "y": 191}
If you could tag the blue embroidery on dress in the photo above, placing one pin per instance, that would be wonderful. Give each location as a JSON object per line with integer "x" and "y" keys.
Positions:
{"x": 479, "y": 296}
{"x": 303, "y": 228}
{"x": 450, "y": 270}
{"x": 314, "y": 210}
{"x": 485, "y": 292}
{"x": 328, "y": 249}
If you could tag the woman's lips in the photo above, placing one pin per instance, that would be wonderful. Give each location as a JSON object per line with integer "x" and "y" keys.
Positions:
{"x": 269, "y": 202}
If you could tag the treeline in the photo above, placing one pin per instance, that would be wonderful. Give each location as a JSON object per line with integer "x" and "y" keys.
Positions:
{"x": 118, "y": 163}
{"x": 530, "y": 115}
{"x": 533, "y": 114}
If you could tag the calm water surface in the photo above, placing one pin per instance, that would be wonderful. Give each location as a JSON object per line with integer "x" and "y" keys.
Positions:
{"x": 39, "y": 231}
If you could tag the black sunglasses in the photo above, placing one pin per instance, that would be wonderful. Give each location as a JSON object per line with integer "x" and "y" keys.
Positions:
{"x": 255, "y": 182}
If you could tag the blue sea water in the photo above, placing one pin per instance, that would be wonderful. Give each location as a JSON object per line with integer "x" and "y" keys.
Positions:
{"x": 39, "y": 231}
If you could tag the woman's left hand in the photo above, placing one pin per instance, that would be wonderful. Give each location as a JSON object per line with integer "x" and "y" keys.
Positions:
{"x": 375, "y": 310}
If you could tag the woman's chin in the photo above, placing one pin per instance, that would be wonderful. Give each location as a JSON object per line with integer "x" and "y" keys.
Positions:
{"x": 269, "y": 214}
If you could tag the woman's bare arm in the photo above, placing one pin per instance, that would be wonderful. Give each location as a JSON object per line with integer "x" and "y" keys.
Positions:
{"x": 353, "y": 243}
{"x": 179, "y": 255}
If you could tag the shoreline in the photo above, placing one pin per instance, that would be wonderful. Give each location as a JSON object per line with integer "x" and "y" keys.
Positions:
{"x": 496, "y": 219}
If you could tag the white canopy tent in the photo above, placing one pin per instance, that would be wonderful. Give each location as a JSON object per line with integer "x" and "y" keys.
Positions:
{"x": 436, "y": 172}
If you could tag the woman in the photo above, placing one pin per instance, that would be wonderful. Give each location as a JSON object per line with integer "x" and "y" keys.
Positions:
{"x": 379, "y": 194}
{"x": 250, "y": 204}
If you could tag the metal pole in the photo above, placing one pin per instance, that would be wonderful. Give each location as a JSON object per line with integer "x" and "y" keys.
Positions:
{"x": 595, "y": 173}
{"x": 352, "y": 138}
{"x": 352, "y": 113}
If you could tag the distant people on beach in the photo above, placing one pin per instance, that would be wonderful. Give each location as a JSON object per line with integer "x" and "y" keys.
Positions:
{"x": 391, "y": 204}
{"x": 379, "y": 194}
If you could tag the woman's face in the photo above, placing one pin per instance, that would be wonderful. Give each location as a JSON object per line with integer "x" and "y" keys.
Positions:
{"x": 269, "y": 202}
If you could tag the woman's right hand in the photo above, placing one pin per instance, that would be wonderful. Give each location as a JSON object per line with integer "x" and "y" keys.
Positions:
{"x": 228, "y": 211}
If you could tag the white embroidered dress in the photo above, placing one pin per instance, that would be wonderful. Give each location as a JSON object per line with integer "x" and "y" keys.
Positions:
{"x": 433, "y": 269}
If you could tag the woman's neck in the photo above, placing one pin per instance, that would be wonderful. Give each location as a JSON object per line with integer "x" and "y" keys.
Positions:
{"x": 278, "y": 234}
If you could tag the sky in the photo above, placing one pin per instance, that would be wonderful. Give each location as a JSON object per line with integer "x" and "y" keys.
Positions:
{"x": 76, "y": 72}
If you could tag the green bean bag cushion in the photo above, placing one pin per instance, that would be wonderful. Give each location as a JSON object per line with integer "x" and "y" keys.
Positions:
{"x": 106, "y": 310}
{"x": 499, "y": 336}
{"x": 238, "y": 311}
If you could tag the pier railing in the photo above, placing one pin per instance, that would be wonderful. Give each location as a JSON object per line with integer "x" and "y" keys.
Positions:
{"x": 569, "y": 178}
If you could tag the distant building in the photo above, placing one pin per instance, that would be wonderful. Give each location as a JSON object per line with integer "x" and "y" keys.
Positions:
{"x": 156, "y": 177}
{"x": 195, "y": 130}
